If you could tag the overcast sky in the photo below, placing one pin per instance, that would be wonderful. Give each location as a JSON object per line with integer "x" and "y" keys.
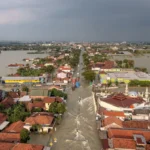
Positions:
{"x": 75, "y": 20}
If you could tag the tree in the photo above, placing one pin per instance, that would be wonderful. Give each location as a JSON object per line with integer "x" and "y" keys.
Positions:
{"x": 116, "y": 82}
{"x": 57, "y": 108}
{"x": 25, "y": 88}
{"x": 1, "y": 108}
{"x": 109, "y": 83}
{"x": 55, "y": 92}
{"x": 61, "y": 108}
{"x": 36, "y": 127}
{"x": 89, "y": 75}
{"x": 17, "y": 112}
{"x": 24, "y": 135}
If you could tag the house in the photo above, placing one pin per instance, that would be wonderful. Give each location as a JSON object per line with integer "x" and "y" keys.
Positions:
{"x": 8, "y": 102}
{"x": 110, "y": 122}
{"x": 117, "y": 114}
{"x": 6, "y": 146}
{"x": 61, "y": 80}
{"x": 141, "y": 114}
{"x": 46, "y": 121}
{"x": 48, "y": 101}
{"x": 9, "y": 137}
{"x": 22, "y": 146}
{"x": 15, "y": 127}
{"x": 103, "y": 66}
{"x": 65, "y": 68}
{"x": 129, "y": 138}
{"x": 3, "y": 122}
{"x": 35, "y": 104}
{"x": 121, "y": 102}
{"x": 61, "y": 75}
{"x": 137, "y": 124}
{"x": 55, "y": 87}
{"x": 44, "y": 103}
{"x": 25, "y": 99}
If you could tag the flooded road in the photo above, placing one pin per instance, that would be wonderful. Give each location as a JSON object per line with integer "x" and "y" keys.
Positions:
{"x": 77, "y": 130}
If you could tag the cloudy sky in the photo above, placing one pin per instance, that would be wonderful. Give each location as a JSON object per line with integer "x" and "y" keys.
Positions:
{"x": 75, "y": 20}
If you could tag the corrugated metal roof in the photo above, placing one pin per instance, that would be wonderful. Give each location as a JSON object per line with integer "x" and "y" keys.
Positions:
{"x": 20, "y": 78}
{"x": 3, "y": 125}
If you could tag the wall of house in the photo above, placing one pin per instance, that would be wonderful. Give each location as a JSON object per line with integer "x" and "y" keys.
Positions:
{"x": 115, "y": 108}
{"x": 27, "y": 127}
{"x": 47, "y": 106}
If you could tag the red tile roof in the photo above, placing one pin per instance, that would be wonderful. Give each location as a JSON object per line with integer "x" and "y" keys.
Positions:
{"x": 124, "y": 143}
{"x": 6, "y": 146}
{"x": 22, "y": 146}
{"x": 13, "y": 94}
{"x": 113, "y": 113}
{"x": 121, "y": 100}
{"x": 136, "y": 124}
{"x": 110, "y": 120}
{"x": 59, "y": 99}
{"x": 104, "y": 65}
{"x": 39, "y": 119}
{"x": 9, "y": 137}
{"x": 127, "y": 133}
{"x": 15, "y": 127}
{"x": 35, "y": 104}
{"x": 147, "y": 146}
{"x": 8, "y": 102}
{"x": 3, "y": 118}
{"x": 49, "y": 99}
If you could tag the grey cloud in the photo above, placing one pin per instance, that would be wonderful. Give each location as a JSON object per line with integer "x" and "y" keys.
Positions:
{"x": 78, "y": 20}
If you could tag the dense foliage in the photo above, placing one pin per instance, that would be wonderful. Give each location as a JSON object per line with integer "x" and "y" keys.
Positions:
{"x": 89, "y": 75}
{"x": 55, "y": 92}
{"x": 25, "y": 89}
{"x": 139, "y": 83}
{"x": 99, "y": 58}
{"x": 35, "y": 72}
{"x": 141, "y": 69}
{"x": 17, "y": 112}
{"x": 125, "y": 63}
{"x": 57, "y": 108}
{"x": 74, "y": 59}
{"x": 24, "y": 135}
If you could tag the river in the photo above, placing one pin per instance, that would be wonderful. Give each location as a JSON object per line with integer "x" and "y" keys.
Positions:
{"x": 11, "y": 57}
{"x": 140, "y": 61}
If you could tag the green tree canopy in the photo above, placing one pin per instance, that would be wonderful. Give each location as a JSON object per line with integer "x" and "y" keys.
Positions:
{"x": 55, "y": 92}
{"x": 57, "y": 108}
{"x": 24, "y": 135}
{"x": 17, "y": 112}
{"x": 89, "y": 75}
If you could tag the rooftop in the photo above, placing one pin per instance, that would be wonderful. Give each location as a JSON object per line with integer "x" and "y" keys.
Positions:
{"x": 15, "y": 127}
{"x": 22, "y": 146}
{"x": 124, "y": 143}
{"x": 110, "y": 120}
{"x": 9, "y": 137}
{"x": 128, "y": 133}
{"x": 136, "y": 124}
{"x": 113, "y": 113}
{"x": 39, "y": 119}
{"x": 121, "y": 100}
